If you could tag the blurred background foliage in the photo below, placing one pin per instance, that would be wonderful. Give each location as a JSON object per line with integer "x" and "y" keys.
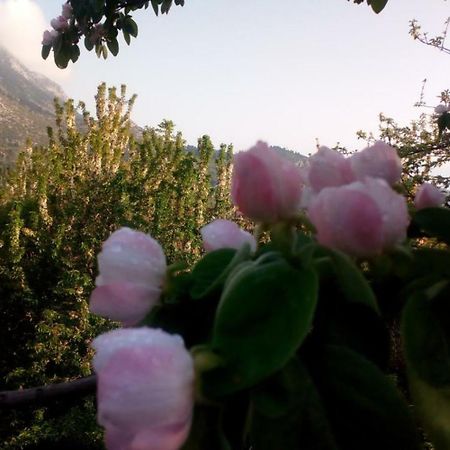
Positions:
{"x": 57, "y": 205}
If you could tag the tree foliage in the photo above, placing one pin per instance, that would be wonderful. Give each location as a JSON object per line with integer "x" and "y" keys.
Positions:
{"x": 57, "y": 205}
{"x": 99, "y": 24}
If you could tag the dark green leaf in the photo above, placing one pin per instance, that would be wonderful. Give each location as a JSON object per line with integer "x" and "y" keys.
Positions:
{"x": 206, "y": 432}
{"x": 426, "y": 337}
{"x": 165, "y": 6}
{"x": 113, "y": 46}
{"x": 88, "y": 43}
{"x": 130, "y": 26}
{"x": 127, "y": 37}
{"x": 433, "y": 407}
{"x": 430, "y": 261}
{"x": 365, "y": 409}
{"x": 75, "y": 53}
{"x": 211, "y": 271}
{"x": 287, "y": 413}
{"x": 351, "y": 281}
{"x": 264, "y": 314}
{"x": 443, "y": 122}
{"x": 63, "y": 56}
{"x": 155, "y": 6}
{"x": 378, "y": 5}
{"x": 45, "y": 51}
{"x": 435, "y": 222}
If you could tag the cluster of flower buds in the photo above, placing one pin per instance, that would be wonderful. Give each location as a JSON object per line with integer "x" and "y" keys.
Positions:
{"x": 349, "y": 200}
{"x": 145, "y": 375}
{"x": 59, "y": 24}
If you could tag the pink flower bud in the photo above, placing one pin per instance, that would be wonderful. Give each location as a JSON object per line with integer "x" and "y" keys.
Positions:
{"x": 59, "y": 24}
{"x": 145, "y": 381}
{"x": 441, "y": 109}
{"x": 265, "y": 187}
{"x": 378, "y": 161}
{"x": 428, "y": 196}
{"x": 225, "y": 234}
{"x": 328, "y": 168}
{"x": 361, "y": 218}
{"x": 49, "y": 36}
{"x": 67, "y": 11}
{"x": 132, "y": 270}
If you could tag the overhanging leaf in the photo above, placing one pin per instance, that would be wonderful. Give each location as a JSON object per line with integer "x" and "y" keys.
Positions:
{"x": 377, "y": 5}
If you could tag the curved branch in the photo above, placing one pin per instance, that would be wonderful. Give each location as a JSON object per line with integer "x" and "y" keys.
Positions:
{"x": 45, "y": 394}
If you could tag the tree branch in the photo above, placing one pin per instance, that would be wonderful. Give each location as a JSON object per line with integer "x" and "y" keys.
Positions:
{"x": 45, "y": 394}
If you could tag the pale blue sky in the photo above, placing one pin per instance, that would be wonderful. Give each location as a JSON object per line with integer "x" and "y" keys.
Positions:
{"x": 284, "y": 71}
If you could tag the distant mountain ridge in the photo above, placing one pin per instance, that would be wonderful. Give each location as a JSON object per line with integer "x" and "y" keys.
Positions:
{"x": 26, "y": 105}
{"x": 27, "y": 109}
{"x": 295, "y": 157}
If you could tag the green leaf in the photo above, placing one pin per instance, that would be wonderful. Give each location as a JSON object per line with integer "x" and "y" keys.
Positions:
{"x": 208, "y": 270}
{"x": 75, "y": 53}
{"x": 127, "y": 37}
{"x": 210, "y": 273}
{"x": 113, "y": 46}
{"x": 130, "y": 26}
{"x": 165, "y": 6}
{"x": 435, "y": 222}
{"x": 155, "y": 6}
{"x": 377, "y": 5}
{"x": 365, "y": 409}
{"x": 264, "y": 315}
{"x": 98, "y": 50}
{"x": 88, "y": 43}
{"x": 206, "y": 432}
{"x": 287, "y": 413}
{"x": 351, "y": 281}
{"x": 433, "y": 407}
{"x": 426, "y": 337}
{"x": 45, "y": 51}
{"x": 63, "y": 56}
{"x": 431, "y": 261}
{"x": 443, "y": 122}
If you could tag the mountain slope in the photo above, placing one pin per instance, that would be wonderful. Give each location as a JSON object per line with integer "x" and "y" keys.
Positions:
{"x": 26, "y": 105}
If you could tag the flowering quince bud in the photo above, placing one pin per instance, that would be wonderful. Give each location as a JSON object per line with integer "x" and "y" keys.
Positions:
{"x": 67, "y": 11}
{"x": 145, "y": 389}
{"x": 132, "y": 268}
{"x": 265, "y": 187}
{"x": 328, "y": 168}
{"x": 225, "y": 234}
{"x": 428, "y": 196}
{"x": 49, "y": 36}
{"x": 59, "y": 24}
{"x": 361, "y": 218}
{"x": 441, "y": 109}
{"x": 378, "y": 161}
